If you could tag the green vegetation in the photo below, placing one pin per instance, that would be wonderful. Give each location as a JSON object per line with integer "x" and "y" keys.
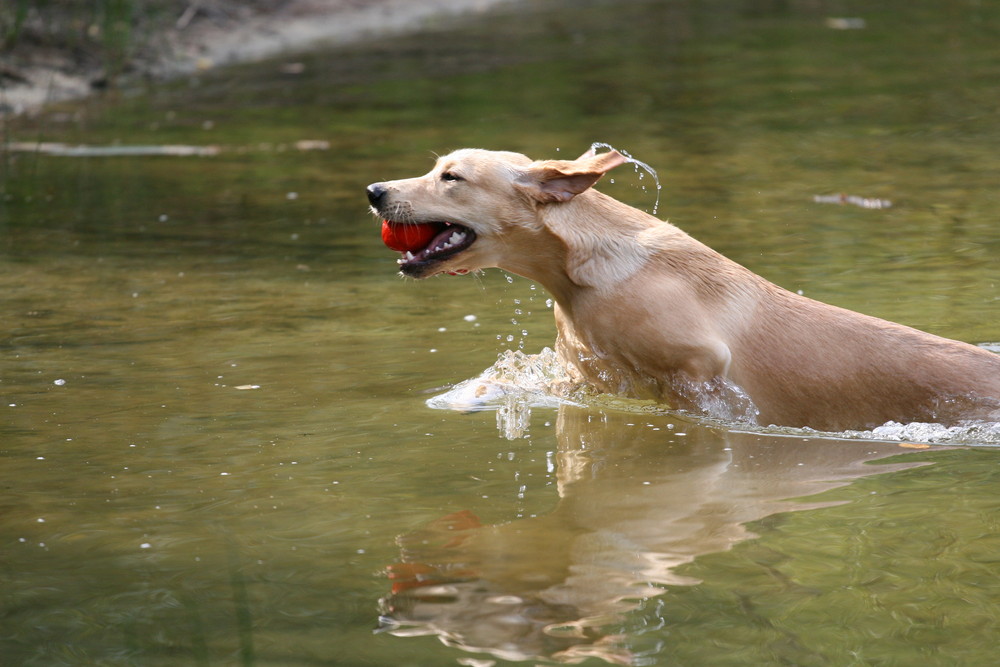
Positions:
{"x": 99, "y": 33}
{"x": 112, "y": 36}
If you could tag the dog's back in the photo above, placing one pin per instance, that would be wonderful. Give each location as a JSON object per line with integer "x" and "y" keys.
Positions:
{"x": 817, "y": 365}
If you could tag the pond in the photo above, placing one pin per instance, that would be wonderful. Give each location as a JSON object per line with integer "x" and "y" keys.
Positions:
{"x": 216, "y": 439}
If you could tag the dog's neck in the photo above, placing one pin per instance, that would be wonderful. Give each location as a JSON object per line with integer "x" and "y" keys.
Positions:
{"x": 600, "y": 238}
{"x": 544, "y": 260}
{"x": 593, "y": 244}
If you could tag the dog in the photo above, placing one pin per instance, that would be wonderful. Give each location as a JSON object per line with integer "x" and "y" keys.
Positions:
{"x": 644, "y": 310}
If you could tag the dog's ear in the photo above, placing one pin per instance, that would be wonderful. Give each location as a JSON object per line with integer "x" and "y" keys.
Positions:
{"x": 561, "y": 180}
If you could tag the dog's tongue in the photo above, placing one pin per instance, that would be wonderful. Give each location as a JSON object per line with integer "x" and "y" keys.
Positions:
{"x": 404, "y": 237}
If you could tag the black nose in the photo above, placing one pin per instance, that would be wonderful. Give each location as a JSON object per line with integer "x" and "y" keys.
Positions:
{"x": 376, "y": 193}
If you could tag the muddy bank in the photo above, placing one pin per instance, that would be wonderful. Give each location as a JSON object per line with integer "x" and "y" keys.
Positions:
{"x": 53, "y": 58}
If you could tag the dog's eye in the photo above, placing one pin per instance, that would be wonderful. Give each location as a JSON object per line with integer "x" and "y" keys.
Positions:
{"x": 450, "y": 177}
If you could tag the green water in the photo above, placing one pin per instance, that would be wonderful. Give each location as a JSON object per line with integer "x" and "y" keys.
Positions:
{"x": 214, "y": 435}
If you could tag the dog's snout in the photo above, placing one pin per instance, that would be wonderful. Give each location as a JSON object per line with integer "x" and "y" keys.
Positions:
{"x": 376, "y": 194}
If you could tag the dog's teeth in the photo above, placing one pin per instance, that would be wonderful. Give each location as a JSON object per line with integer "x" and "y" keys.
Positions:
{"x": 408, "y": 256}
{"x": 456, "y": 238}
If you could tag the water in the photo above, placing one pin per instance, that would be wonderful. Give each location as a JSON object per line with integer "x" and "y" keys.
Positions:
{"x": 215, "y": 438}
{"x": 639, "y": 167}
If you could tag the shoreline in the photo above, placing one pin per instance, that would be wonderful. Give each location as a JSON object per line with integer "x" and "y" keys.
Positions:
{"x": 196, "y": 43}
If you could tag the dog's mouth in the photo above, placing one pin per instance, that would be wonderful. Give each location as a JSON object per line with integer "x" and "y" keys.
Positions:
{"x": 425, "y": 243}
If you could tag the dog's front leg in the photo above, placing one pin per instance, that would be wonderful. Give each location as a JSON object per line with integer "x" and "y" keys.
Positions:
{"x": 691, "y": 377}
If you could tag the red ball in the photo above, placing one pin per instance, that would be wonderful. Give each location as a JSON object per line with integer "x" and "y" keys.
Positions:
{"x": 404, "y": 237}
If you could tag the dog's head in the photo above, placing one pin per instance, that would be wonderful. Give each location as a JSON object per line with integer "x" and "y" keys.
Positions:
{"x": 466, "y": 212}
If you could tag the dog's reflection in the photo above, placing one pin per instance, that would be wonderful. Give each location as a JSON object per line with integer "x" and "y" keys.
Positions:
{"x": 638, "y": 496}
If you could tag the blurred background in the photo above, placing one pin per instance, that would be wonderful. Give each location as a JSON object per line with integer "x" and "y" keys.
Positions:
{"x": 213, "y": 423}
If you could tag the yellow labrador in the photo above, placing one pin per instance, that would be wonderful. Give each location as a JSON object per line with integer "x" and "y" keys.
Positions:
{"x": 645, "y": 310}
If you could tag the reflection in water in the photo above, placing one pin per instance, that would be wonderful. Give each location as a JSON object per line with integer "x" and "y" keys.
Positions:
{"x": 638, "y": 496}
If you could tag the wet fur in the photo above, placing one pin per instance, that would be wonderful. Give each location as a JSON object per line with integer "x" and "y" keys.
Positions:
{"x": 645, "y": 310}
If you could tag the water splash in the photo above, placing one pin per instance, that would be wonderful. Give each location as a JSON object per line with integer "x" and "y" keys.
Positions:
{"x": 512, "y": 386}
{"x": 522, "y": 310}
{"x": 519, "y": 382}
{"x": 980, "y": 434}
{"x": 721, "y": 399}
{"x": 639, "y": 165}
